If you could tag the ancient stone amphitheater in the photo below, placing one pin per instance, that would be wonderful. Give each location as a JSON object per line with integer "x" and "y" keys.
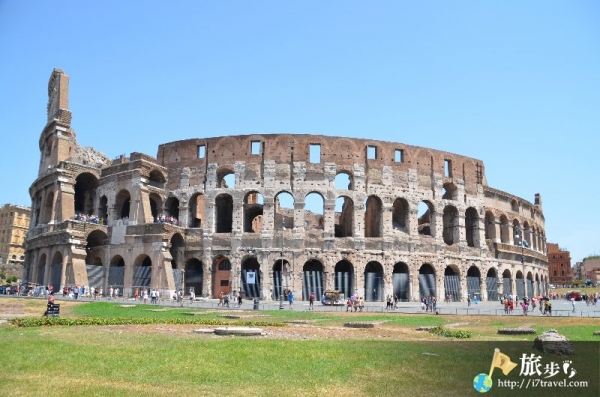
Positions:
{"x": 268, "y": 214}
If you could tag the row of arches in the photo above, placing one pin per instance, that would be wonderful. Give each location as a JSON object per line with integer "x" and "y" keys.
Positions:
{"x": 502, "y": 230}
{"x": 257, "y": 281}
{"x": 345, "y": 222}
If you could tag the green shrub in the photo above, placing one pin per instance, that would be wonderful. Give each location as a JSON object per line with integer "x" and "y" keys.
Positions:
{"x": 447, "y": 333}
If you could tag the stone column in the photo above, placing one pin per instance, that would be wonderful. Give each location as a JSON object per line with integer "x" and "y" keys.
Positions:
{"x": 483, "y": 289}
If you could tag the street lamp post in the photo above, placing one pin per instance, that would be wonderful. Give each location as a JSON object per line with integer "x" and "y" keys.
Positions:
{"x": 522, "y": 243}
{"x": 281, "y": 274}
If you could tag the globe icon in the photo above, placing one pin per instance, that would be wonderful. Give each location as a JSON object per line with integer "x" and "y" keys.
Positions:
{"x": 482, "y": 383}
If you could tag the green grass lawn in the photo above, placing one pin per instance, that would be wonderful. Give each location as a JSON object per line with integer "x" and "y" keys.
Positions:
{"x": 120, "y": 361}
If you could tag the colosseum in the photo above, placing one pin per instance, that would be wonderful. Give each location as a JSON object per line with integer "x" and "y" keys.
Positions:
{"x": 266, "y": 214}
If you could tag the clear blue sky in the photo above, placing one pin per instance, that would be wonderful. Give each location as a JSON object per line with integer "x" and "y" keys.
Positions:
{"x": 515, "y": 84}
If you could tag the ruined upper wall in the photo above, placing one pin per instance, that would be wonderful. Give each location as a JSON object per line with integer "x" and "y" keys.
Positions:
{"x": 345, "y": 153}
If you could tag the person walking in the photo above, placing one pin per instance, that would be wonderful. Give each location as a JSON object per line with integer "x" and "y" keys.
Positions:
{"x": 311, "y": 301}
{"x": 291, "y": 299}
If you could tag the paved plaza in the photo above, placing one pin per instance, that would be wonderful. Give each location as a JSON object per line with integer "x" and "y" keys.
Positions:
{"x": 560, "y": 307}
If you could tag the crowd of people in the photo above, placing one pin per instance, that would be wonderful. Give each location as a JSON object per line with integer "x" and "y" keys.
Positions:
{"x": 429, "y": 304}
{"x": 391, "y": 302}
{"x": 95, "y": 219}
{"x": 353, "y": 303}
{"x": 166, "y": 219}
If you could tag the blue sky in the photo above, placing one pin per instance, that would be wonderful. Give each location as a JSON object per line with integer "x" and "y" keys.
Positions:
{"x": 515, "y": 84}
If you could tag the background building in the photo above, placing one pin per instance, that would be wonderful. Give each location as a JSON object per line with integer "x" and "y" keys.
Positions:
{"x": 591, "y": 267}
{"x": 559, "y": 266}
{"x": 267, "y": 213}
{"x": 14, "y": 223}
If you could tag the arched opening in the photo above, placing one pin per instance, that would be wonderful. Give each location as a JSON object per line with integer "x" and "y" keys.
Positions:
{"x": 156, "y": 179}
{"x": 123, "y": 204}
{"x": 85, "y": 193}
{"x": 373, "y": 217}
{"x": 517, "y": 233}
{"x": 449, "y": 191}
{"x": 400, "y": 215}
{"x": 224, "y": 213}
{"x": 281, "y": 279}
{"x": 226, "y": 178}
{"x": 491, "y": 284}
{"x": 37, "y": 205}
{"x": 253, "y": 212}
{"x": 221, "y": 277}
{"x": 527, "y": 234}
{"x": 96, "y": 241}
{"x": 313, "y": 211}
{"x": 534, "y": 238}
{"x": 452, "y": 283}
{"x": 343, "y": 181}
{"x": 520, "y": 284}
{"x": 251, "y": 278}
{"x": 507, "y": 282}
{"x": 344, "y": 217}
{"x": 474, "y": 282}
{"x": 374, "y": 282}
{"x": 490, "y": 226}
{"x": 116, "y": 272}
{"x": 451, "y": 231}
{"x": 538, "y": 289}
{"x": 193, "y": 276}
{"x": 49, "y": 208}
{"x": 172, "y": 210}
{"x": 312, "y": 278}
{"x": 177, "y": 251}
{"x": 284, "y": 211}
{"x": 343, "y": 277}
{"x": 56, "y": 271}
{"x": 426, "y": 281}
{"x": 472, "y": 227}
{"x": 41, "y": 269}
{"x": 197, "y": 209}
{"x": 401, "y": 282}
{"x": 529, "y": 291}
{"x": 504, "y": 230}
{"x": 426, "y": 219}
{"x": 514, "y": 205}
{"x": 142, "y": 272}
{"x": 103, "y": 209}
{"x": 155, "y": 206}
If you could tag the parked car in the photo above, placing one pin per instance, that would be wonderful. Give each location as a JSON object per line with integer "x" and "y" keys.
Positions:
{"x": 573, "y": 294}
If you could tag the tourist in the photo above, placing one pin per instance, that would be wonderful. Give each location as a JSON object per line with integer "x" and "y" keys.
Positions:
{"x": 311, "y": 301}
{"x": 291, "y": 299}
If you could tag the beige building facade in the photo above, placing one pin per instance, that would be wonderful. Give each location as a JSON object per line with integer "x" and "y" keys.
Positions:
{"x": 14, "y": 224}
{"x": 264, "y": 214}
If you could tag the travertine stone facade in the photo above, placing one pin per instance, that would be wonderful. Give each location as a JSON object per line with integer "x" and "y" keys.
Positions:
{"x": 270, "y": 213}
